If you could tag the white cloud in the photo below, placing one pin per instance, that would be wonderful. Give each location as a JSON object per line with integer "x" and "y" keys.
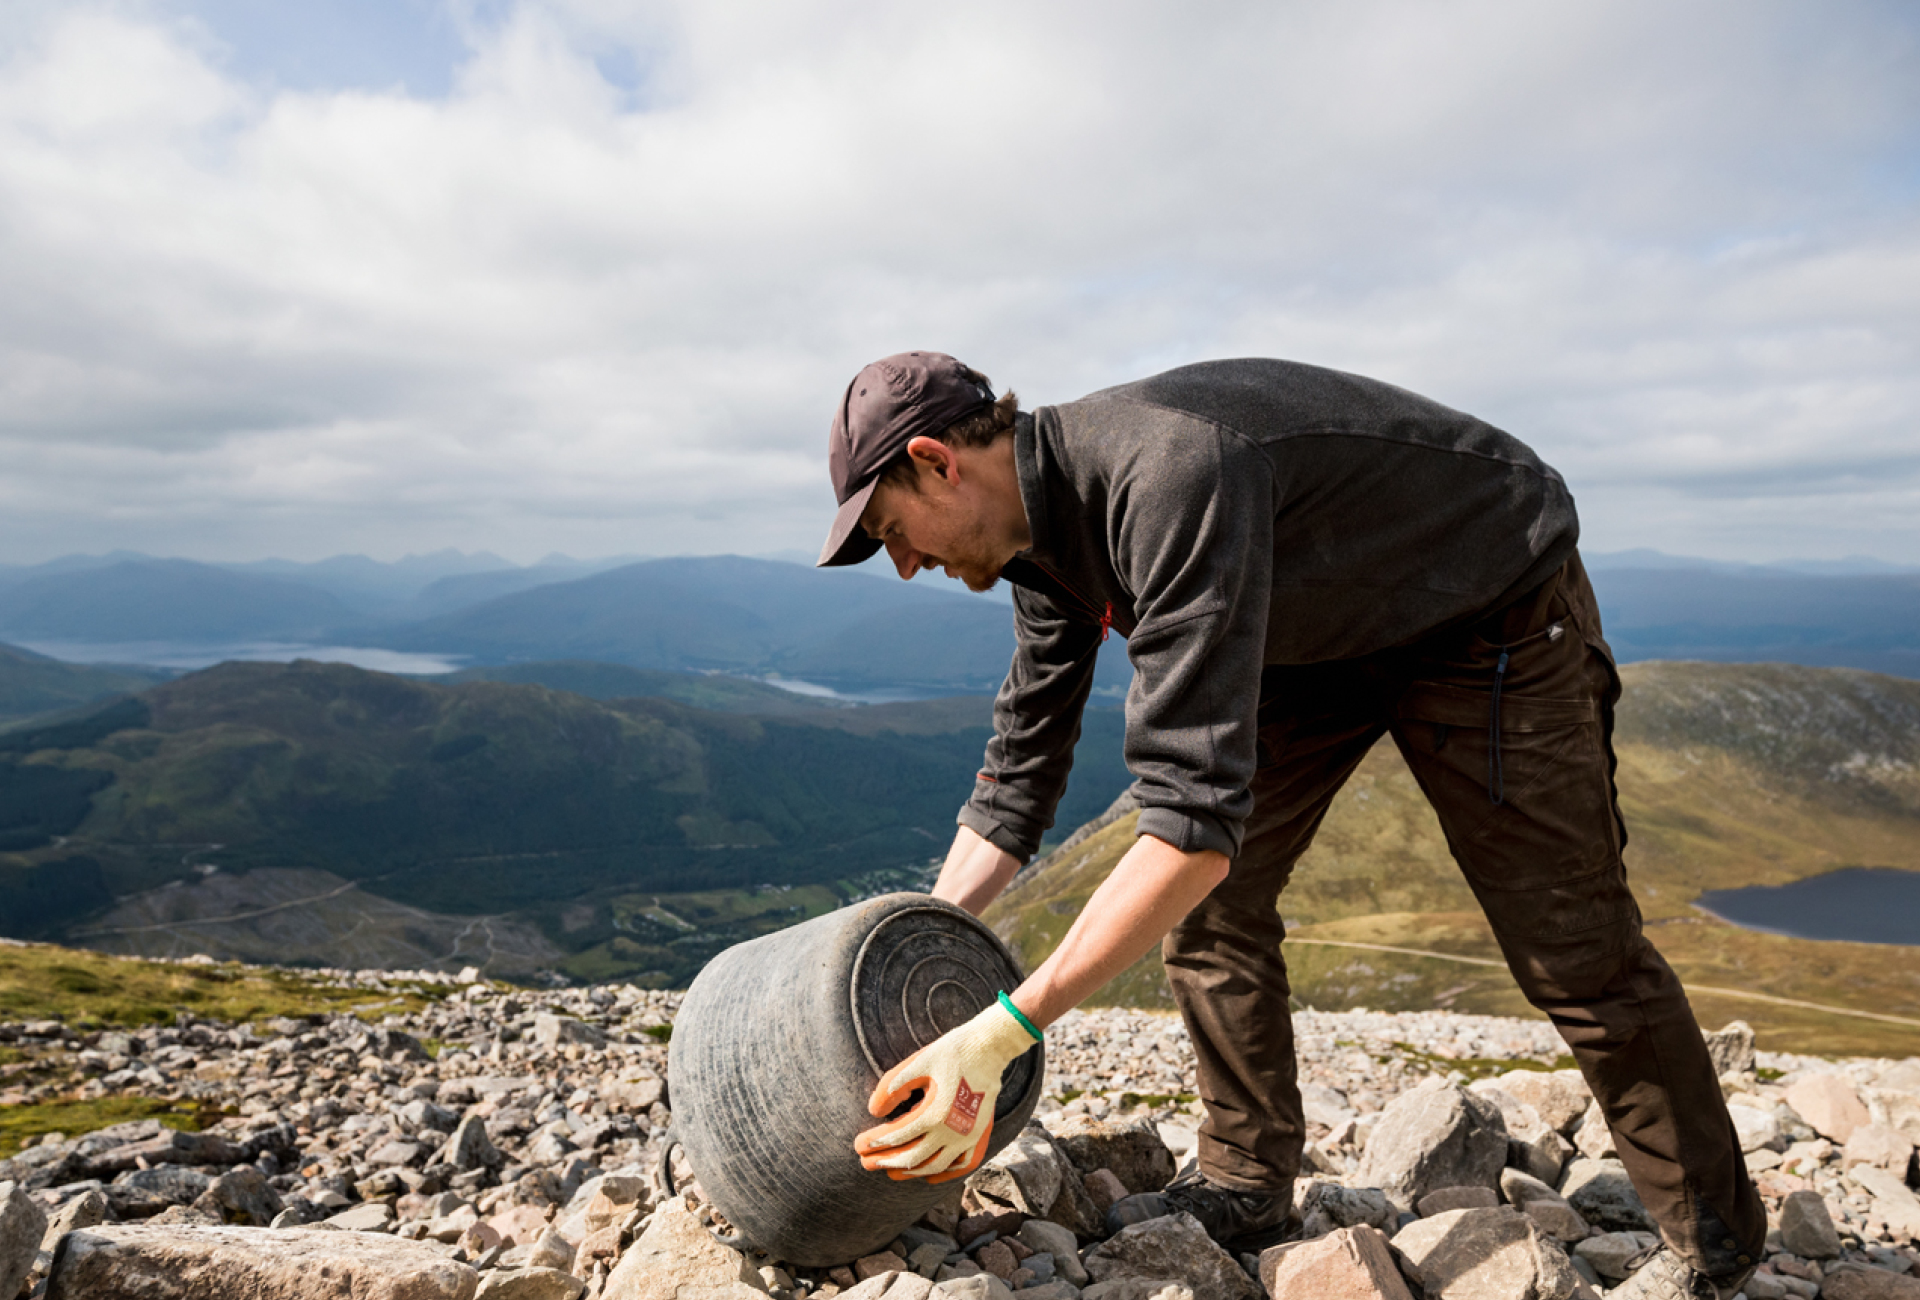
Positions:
{"x": 602, "y": 295}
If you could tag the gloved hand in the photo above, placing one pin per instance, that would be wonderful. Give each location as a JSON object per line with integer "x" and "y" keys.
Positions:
{"x": 945, "y": 1136}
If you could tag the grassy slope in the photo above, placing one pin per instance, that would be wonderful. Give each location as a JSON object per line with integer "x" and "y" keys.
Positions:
{"x": 32, "y": 684}
{"x": 1730, "y": 775}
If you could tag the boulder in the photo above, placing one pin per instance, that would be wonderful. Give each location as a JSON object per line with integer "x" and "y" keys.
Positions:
{"x": 169, "y": 1147}
{"x": 1138, "y": 1288}
{"x": 1731, "y": 1048}
{"x": 551, "y": 1032}
{"x": 1878, "y": 1145}
{"x": 529, "y": 1284}
{"x": 1026, "y": 1175}
{"x": 1892, "y": 1201}
{"x": 1864, "y": 1282}
{"x": 891, "y": 1286}
{"x": 1350, "y": 1264}
{"x": 1456, "y": 1198}
{"x": 1594, "y": 1138}
{"x": 1559, "y": 1097}
{"x": 1053, "y": 1239}
{"x": 1175, "y": 1248}
{"x": 1829, "y": 1104}
{"x": 1550, "y": 1211}
{"x": 1494, "y": 1254}
{"x": 1755, "y": 1129}
{"x": 1806, "y": 1226}
{"x": 677, "y": 1252}
{"x": 634, "y": 1096}
{"x": 22, "y": 1226}
{"x": 217, "y": 1263}
{"x": 83, "y": 1211}
{"x": 1614, "y": 1255}
{"x": 1434, "y": 1136}
{"x": 981, "y": 1286}
{"x": 1603, "y": 1194}
{"x": 1135, "y": 1152}
{"x": 243, "y": 1196}
{"x": 470, "y": 1148}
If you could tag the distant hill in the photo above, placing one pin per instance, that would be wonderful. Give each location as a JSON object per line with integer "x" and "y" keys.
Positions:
{"x": 731, "y": 614}
{"x": 479, "y": 799}
{"x": 163, "y": 600}
{"x": 32, "y": 684}
{"x": 1730, "y": 775}
{"x": 1732, "y": 614}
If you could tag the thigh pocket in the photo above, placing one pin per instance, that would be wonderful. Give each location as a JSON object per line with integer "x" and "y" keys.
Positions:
{"x": 1553, "y": 820}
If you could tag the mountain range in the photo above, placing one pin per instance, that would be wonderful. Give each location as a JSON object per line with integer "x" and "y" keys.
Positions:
{"x": 857, "y": 630}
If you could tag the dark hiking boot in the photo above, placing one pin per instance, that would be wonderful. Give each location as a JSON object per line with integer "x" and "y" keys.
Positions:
{"x": 1240, "y": 1221}
{"x": 1665, "y": 1276}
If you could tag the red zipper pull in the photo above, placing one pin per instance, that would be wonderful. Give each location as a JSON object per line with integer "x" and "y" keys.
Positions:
{"x": 1106, "y": 622}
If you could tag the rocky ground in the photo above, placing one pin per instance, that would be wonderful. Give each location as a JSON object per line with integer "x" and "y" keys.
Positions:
{"x": 503, "y": 1143}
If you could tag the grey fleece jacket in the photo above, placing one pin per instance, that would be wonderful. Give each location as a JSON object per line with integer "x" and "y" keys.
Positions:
{"x": 1223, "y": 517}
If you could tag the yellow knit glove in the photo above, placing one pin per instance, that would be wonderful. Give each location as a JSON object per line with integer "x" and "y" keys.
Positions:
{"x": 958, "y": 1075}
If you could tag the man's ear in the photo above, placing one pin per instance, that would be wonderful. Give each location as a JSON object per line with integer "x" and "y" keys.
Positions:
{"x": 935, "y": 455}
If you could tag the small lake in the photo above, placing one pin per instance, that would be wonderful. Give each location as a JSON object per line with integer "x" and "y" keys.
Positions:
{"x": 187, "y": 656}
{"x": 1858, "y": 904}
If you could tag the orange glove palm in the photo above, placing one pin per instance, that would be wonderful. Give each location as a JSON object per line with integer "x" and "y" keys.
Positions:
{"x": 958, "y": 1076}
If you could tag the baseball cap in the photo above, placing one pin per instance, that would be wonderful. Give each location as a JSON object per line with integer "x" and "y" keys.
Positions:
{"x": 889, "y": 404}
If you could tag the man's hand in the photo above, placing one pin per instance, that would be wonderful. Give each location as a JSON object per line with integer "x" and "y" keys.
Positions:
{"x": 958, "y": 1077}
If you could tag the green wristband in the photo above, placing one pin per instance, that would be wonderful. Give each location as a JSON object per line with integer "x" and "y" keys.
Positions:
{"x": 1025, "y": 1023}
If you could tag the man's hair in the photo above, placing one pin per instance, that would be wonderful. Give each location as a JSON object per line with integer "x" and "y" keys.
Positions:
{"x": 981, "y": 429}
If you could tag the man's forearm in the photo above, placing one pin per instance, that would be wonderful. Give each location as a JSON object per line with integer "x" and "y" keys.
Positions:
{"x": 1150, "y": 889}
{"x": 975, "y": 872}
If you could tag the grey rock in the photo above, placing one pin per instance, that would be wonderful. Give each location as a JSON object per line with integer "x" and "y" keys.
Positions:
{"x": 82, "y": 1211}
{"x": 1058, "y": 1241}
{"x": 374, "y": 1216}
{"x": 1435, "y": 1136}
{"x": 1177, "y": 1248}
{"x": 1559, "y": 1097}
{"x": 1731, "y": 1048}
{"x": 1026, "y": 1175}
{"x": 1494, "y": 1254}
{"x": 1603, "y": 1194}
{"x": 551, "y": 1031}
{"x": 174, "y": 1184}
{"x": 1135, "y": 1152}
{"x": 470, "y": 1147}
{"x": 1864, "y": 1282}
{"x": 981, "y": 1286}
{"x": 1456, "y": 1198}
{"x": 529, "y": 1284}
{"x": 167, "y": 1148}
{"x": 217, "y": 1263}
{"x": 1806, "y": 1228}
{"x": 1594, "y": 1139}
{"x": 23, "y": 1224}
{"x": 1138, "y": 1288}
{"x": 1614, "y": 1254}
{"x": 1351, "y": 1264}
{"x": 241, "y": 1195}
{"x": 677, "y": 1252}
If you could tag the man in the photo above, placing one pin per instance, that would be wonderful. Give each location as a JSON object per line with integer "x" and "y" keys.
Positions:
{"x": 1302, "y": 561}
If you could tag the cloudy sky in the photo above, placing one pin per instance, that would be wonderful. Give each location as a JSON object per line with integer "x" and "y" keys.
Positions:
{"x": 379, "y": 276}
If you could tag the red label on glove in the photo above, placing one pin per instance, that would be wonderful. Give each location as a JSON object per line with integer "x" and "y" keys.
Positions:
{"x": 966, "y": 1109}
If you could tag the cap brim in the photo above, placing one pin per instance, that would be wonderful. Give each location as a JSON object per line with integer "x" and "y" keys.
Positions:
{"x": 847, "y": 541}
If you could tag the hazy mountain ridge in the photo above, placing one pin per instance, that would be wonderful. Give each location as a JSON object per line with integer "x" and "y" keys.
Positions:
{"x": 1730, "y": 775}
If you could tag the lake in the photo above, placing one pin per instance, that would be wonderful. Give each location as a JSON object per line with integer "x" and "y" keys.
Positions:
{"x": 187, "y": 657}
{"x": 1860, "y": 904}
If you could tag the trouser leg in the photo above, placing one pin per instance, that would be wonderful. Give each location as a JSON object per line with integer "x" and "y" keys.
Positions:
{"x": 1223, "y": 960}
{"x": 1533, "y": 819}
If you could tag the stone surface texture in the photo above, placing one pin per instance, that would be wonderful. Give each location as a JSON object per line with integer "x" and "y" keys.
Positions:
{"x": 1176, "y": 1248}
{"x": 1438, "y": 1135}
{"x": 1348, "y": 1264}
{"x": 1492, "y": 1254}
{"x": 221, "y": 1263}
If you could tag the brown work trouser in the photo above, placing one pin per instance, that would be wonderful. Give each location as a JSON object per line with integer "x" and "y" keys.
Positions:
{"x": 1534, "y": 822}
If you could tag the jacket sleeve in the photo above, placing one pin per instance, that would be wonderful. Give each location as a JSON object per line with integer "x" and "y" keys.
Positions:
{"x": 1036, "y": 722}
{"x": 1196, "y": 550}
